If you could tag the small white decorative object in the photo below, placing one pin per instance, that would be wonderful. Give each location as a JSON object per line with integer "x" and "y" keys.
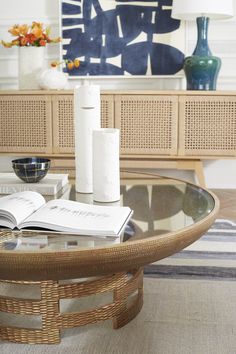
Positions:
{"x": 87, "y": 118}
{"x": 31, "y": 64}
{"x": 53, "y": 79}
{"x": 106, "y": 166}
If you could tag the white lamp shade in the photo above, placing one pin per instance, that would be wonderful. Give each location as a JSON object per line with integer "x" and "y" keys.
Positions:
{"x": 191, "y": 9}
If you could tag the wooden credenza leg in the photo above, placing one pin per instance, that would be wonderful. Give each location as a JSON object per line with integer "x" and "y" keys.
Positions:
{"x": 194, "y": 165}
{"x": 200, "y": 173}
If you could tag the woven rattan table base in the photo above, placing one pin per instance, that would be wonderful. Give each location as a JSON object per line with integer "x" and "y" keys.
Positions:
{"x": 127, "y": 289}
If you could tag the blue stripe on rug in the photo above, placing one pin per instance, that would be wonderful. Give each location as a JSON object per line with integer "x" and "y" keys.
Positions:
{"x": 221, "y": 231}
{"x": 224, "y": 224}
{"x": 192, "y": 272}
{"x": 219, "y": 238}
{"x": 205, "y": 255}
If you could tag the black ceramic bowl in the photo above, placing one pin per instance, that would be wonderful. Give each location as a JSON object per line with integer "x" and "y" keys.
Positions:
{"x": 31, "y": 169}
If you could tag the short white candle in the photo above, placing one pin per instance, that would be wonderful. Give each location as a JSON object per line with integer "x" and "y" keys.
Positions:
{"x": 106, "y": 167}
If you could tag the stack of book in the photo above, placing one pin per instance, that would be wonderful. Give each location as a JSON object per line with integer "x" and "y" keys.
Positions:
{"x": 50, "y": 185}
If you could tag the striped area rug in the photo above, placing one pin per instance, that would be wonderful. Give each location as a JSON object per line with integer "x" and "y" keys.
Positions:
{"x": 213, "y": 256}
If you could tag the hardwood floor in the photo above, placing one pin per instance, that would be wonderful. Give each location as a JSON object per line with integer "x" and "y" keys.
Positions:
{"x": 227, "y": 199}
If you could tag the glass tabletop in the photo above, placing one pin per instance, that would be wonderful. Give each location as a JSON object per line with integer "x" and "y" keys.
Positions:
{"x": 161, "y": 205}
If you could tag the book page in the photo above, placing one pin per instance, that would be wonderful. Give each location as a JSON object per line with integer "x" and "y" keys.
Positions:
{"x": 70, "y": 216}
{"x": 18, "y": 206}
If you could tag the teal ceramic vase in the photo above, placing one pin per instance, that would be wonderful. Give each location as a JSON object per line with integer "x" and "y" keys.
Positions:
{"x": 202, "y": 68}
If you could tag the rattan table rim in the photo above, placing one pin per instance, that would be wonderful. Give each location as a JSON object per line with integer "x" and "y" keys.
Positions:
{"x": 66, "y": 264}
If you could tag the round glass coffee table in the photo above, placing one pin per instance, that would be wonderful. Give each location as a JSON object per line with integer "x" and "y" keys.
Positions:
{"x": 168, "y": 216}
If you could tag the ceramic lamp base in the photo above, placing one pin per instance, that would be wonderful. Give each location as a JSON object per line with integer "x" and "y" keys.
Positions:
{"x": 201, "y": 72}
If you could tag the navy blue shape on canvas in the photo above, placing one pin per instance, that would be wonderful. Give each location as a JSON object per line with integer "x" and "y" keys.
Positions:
{"x": 120, "y": 40}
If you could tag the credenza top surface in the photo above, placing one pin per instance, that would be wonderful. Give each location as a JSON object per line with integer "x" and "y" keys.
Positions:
{"x": 122, "y": 92}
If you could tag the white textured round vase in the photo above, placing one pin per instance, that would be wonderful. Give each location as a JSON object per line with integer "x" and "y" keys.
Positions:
{"x": 53, "y": 79}
{"x": 31, "y": 64}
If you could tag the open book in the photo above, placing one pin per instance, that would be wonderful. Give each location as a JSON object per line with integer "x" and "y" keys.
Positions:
{"x": 29, "y": 210}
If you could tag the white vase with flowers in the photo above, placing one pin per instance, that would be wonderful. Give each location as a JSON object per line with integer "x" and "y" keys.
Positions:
{"x": 31, "y": 40}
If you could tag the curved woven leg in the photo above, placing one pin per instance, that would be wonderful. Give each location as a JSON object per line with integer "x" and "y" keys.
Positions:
{"x": 130, "y": 308}
{"x": 122, "y": 310}
{"x": 47, "y": 307}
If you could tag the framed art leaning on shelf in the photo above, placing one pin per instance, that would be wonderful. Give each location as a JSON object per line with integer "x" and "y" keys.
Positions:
{"x": 121, "y": 38}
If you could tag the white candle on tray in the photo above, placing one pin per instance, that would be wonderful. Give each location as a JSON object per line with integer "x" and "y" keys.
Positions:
{"x": 106, "y": 166}
{"x": 87, "y": 118}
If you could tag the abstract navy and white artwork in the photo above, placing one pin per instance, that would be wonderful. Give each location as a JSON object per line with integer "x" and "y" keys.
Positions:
{"x": 121, "y": 37}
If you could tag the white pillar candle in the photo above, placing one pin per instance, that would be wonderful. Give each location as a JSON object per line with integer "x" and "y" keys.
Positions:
{"x": 87, "y": 118}
{"x": 89, "y": 96}
{"x": 106, "y": 167}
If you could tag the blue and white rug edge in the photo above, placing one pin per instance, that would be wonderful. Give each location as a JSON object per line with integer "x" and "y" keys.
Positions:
{"x": 212, "y": 257}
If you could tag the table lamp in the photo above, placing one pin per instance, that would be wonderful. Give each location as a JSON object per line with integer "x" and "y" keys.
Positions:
{"x": 202, "y": 68}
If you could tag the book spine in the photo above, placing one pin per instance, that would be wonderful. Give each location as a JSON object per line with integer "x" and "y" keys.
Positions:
{"x": 43, "y": 189}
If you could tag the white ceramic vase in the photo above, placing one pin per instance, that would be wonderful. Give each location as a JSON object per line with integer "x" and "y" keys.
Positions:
{"x": 53, "y": 79}
{"x": 106, "y": 165}
{"x": 31, "y": 64}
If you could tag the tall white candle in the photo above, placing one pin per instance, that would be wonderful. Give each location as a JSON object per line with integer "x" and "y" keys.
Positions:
{"x": 87, "y": 118}
{"x": 89, "y": 96}
{"x": 106, "y": 167}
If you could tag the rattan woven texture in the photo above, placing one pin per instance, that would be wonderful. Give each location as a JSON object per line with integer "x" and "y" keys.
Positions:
{"x": 121, "y": 310}
{"x": 148, "y": 124}
{"x": 63, "y": 121}
{"x": 69, "y": 264}
{"x": 25, "y": 124}
{"x": 63, "y": 124}
{"x": 162, "y": 124}
{"x": 207, "y": 125}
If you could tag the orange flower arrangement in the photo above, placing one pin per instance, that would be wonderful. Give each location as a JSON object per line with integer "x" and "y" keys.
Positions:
{"x": 36, "y": 35}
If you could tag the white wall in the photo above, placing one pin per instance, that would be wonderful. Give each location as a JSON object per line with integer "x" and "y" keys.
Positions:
{"x": 219, "y": 174}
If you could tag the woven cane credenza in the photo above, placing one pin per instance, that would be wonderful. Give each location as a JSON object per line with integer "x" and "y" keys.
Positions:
{"x": 159, "y": 129}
